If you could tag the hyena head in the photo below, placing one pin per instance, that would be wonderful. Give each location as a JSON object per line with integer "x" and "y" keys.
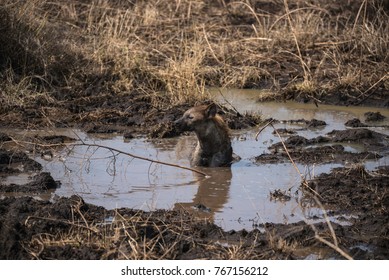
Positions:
{"x": 195, "y": 117}
{"x": 213, "y": 146}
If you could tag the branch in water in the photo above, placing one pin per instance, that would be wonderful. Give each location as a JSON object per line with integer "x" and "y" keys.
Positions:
{"x": 262, "y": 128}
{"x": 17, "y": 142}
{"x": 140, "y": 157}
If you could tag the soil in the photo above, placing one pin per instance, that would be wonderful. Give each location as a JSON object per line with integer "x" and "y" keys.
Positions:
{"x": 328, "y": 148}
{"x": 129, "y": 113}
{"x": 374, "y": 116}
{"x": 365, "y": 194}
{"x": 69, "y": 228}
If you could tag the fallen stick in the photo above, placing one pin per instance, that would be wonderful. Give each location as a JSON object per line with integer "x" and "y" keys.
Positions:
{"x": 18, "y": 142}
{"x": 140, "y": 157}
{"x": 262, "y": 128}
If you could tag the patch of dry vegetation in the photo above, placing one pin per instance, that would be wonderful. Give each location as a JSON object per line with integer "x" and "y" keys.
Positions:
{"x": 72, "y": 229}
{"x": 170, "y": 51}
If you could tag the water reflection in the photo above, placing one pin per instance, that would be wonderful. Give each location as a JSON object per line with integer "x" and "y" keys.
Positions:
{"x": 212, "y": 193}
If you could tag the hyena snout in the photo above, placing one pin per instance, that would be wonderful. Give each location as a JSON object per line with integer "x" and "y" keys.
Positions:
{"x": 195, "y": 118}
{"x": 184, "y": 123}
{"x": 180, "y": 124}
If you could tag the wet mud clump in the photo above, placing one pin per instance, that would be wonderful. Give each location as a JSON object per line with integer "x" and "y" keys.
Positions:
{"x": 371, "y": 118}
{"x": 355, "y": 123}
{"x": 369, "y": 139}
{"x": 364, "y": 194}
{"x": 39, "y": 183}
{"x": 54, "y": 139}
{"x": 17, "y": 161}
{"x": 374, "y": 117}
{"x": 325, "y": 154}
{"x": 12, "y": 162}
{"x": 329, "y": 148}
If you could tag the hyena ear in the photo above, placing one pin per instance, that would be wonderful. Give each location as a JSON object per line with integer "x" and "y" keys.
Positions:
{"x": 211, "y": 110}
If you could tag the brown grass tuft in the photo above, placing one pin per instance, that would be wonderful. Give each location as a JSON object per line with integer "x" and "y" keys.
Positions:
{"x": 173, "y": 50}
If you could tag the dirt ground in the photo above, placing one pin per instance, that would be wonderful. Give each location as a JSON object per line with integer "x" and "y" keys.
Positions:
{"x": 69, "y": 228}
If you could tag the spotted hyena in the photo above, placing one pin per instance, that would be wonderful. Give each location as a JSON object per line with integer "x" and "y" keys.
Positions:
{"x": 214, "y": 145}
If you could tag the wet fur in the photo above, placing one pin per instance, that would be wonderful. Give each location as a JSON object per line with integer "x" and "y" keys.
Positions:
{"x": 214, "y": 145}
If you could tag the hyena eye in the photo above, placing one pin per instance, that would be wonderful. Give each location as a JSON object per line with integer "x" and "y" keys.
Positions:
{"x": 189, "y": 117}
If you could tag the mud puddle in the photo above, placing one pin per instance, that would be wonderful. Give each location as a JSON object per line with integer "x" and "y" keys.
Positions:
{"x": 234, "y": 198}
{"x": 252, "y": 192}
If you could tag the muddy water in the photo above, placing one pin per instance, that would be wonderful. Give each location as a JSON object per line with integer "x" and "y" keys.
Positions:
{"x": 234, "y": 198}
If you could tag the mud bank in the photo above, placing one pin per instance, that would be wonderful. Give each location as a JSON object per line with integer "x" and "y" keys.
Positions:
{"x": 328, "y": 148}
{"x": 69, "y": 228}
{"x": 61, "y": 70}
{"x": 365, "y": 194}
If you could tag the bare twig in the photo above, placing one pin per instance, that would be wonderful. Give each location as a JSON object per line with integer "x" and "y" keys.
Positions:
{"x": 210, "y": 47}
{"x": 229, "y": 103}
{"x": 140, "y": 157}
{"x": 333, "y": 246}
{"x": 262, "y": 128}
{"x": 293, "y": 163}
{"x": 363, "y": 5}
{"x": 61, "y": 221}
{"x": 383, "y": 79}
{"x": 18, "y": 142}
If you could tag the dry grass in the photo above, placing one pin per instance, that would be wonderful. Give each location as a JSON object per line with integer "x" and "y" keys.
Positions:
{"x": 132, "y": 235}
{"x": 174, "y": 49}
{"x": 137, "y": 235}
